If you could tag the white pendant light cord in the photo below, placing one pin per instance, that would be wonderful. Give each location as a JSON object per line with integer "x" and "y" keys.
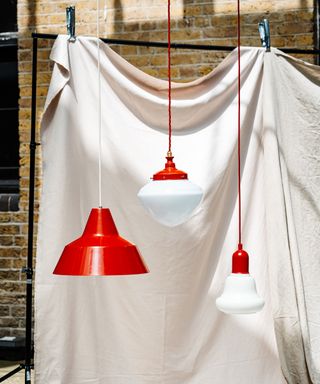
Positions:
{"x": 99, "y": 104}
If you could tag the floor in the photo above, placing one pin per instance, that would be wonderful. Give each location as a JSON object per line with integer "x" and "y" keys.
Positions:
{"x": 7, "y": 366}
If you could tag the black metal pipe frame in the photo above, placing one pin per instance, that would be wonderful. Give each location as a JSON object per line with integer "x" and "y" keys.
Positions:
{"x": 158, "y": 44}
{"x": 13, "y": 372}
{"x": 317, "y": 28}
{"x": 27, "y": 366}
{"x": 28, "y": 270}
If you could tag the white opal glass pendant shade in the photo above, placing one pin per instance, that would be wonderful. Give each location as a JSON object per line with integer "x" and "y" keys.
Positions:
{"x": 240, "y": 295}
{"x": 170, "y": 202}
{"x": 170, "y": 197}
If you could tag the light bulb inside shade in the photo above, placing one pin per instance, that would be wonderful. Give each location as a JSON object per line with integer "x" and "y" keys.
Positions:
{"x": 240, "y": 295}
{"x": 170, "y": 202}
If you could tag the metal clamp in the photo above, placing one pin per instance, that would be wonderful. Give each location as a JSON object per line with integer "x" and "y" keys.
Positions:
{"x": 33, "y": 145}
{"x": 28, "y": 271}
{"x": 71, "y": 23}
{"x": 264, "y": 30}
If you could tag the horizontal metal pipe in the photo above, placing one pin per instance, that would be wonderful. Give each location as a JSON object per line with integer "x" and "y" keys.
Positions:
{"x": 158, "y": 44}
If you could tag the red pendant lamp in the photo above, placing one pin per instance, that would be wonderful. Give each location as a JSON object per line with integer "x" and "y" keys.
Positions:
{"x": 170, "y": 197}
{"x": 240, "y": 294}
{"x": 100, "y": 251}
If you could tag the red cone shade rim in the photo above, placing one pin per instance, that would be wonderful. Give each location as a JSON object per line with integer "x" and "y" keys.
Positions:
{"x": 100, "y": 250}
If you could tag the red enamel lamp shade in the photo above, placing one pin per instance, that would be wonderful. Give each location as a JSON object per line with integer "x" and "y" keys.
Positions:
{"x": 100, "y": 250}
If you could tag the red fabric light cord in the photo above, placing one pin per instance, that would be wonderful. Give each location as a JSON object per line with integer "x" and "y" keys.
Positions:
{"x": 239, "y": 124}
{"x": 239, "y": 106}
{"x": 169, "y": 77}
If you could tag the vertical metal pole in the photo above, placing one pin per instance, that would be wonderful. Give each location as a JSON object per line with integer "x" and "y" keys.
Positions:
{"x": 317, "y": 28}
{"x": 29, "y": 269}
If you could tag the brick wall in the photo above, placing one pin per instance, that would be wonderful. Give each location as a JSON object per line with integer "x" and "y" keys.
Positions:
{"x": 193, "y": 21}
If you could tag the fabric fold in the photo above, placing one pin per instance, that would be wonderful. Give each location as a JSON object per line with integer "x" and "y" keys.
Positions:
{"x": 59, "y": 55}
{"x": 291, "y": 106}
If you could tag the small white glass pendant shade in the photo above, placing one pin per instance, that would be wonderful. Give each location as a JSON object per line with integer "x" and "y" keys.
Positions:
{"x": 240, "y": 293}
{"x": 170, "y": 197}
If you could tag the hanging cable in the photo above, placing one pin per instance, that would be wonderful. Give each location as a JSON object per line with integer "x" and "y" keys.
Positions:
{"x": 105, "y": 12}
{"x": 99, "y": 104}
{"x": 239, "y": 125}
{"x": 169, "y": 78}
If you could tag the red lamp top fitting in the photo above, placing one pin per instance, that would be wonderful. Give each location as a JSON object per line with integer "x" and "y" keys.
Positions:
{"x": 240, "y": 261}
{"x": 170, "y": 172}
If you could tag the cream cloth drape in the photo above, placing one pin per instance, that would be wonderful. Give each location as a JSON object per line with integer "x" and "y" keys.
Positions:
{"x": 292, "y": 159}
{"x": 163, "y": 328}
